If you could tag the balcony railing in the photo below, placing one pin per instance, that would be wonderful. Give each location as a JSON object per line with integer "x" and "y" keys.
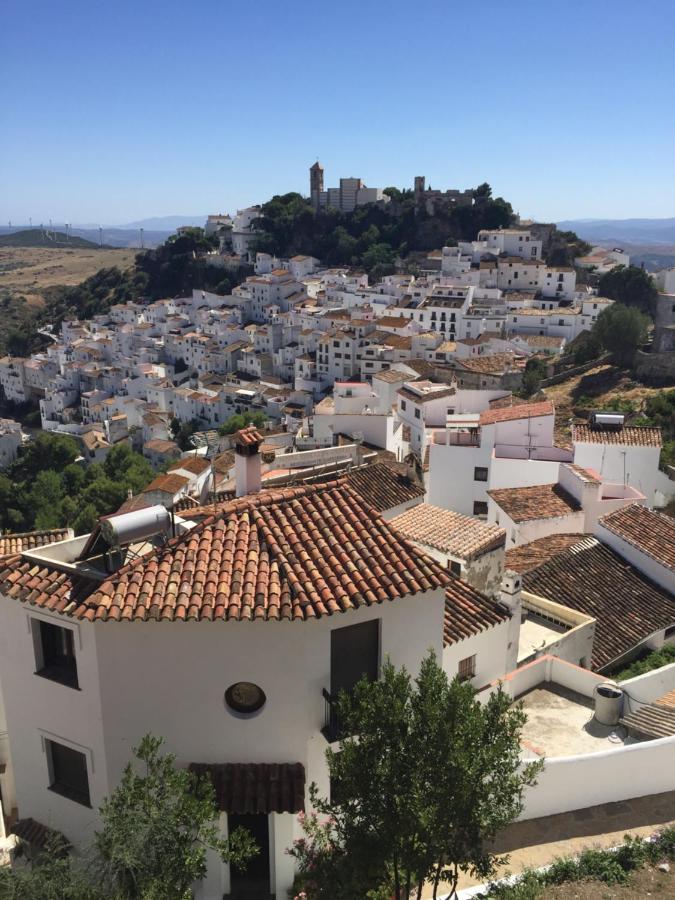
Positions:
{"x": 331, "y": 726}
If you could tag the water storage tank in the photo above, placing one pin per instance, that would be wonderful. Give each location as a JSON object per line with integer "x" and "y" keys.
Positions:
{"x": 608, "y": 703}
{"x": 138, "y": 525}
{"x": 608, "y": 420}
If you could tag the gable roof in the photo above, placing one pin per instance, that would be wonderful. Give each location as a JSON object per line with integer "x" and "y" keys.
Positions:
{"x": 539, "y": 501}
{"x": 591, "y": 578}
{"x": 529, "y": 556}
{"x": 521, "y": 411}
{"x": 627, "y": 436}
{"x": 196, "y": 465}
{"x": 169, "y": 484}
{"x": 294, "y": 554}
{"x": 384, "y": 488}
{"x": 468, "y": 612}
{"x": 651, "y": 532}
{"x": 449, "y": 531}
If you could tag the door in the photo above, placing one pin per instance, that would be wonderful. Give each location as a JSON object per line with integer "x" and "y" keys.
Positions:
{"x": 254, "y": 882}
{"x": 354, "y": 653}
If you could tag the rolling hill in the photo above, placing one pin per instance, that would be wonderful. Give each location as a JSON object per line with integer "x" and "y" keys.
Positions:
{"x": 40, "y": 237}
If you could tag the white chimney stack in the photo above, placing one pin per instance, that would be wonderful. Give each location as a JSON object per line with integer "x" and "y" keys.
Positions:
{"x": 510, "y": 594}
{"x": 247, "y": 461}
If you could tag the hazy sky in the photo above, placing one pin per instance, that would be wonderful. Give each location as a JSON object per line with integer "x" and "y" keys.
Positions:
{"x": 115, "y": 111}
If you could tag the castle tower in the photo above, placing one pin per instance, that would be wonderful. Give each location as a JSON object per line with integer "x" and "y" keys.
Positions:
{"x": 315, "y": 183}
{"x": 420, "y": 185}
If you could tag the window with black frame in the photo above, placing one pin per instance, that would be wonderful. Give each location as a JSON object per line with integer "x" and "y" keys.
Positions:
{"x": 55, "y": 653}
{"x": 68, "y": 772}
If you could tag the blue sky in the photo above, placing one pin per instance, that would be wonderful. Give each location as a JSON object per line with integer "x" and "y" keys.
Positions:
{"x": 115, "y": 111}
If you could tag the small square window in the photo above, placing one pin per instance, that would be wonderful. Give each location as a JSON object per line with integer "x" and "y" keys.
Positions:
{"x": 455, "y": 567}
{"x": 417, "y": 413}
{"x": 55, "y": 653}
{"x": 480, "y": 473}
{"x": 68, "y": 772}
{"x": 466, "y": 668}
{"x": 480, "y": 508}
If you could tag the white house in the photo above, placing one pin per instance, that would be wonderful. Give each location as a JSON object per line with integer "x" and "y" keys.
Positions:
{"x": 622, "y": 454}
{"x": 230, "y": 641}
{"x": 573, "y": 504}
{"x": 480, "y": 450}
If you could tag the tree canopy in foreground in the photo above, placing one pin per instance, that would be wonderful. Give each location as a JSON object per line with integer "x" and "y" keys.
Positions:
{"x": 432, "y": 778}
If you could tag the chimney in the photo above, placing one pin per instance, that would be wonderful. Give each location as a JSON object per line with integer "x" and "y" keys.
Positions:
{"x": 247, "y": 461}
{"x": 510, "y": 597}
{"x": 510, "y": 593}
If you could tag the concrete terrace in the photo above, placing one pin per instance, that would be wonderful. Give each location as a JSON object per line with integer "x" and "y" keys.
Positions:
{"x": 560, "y": 723}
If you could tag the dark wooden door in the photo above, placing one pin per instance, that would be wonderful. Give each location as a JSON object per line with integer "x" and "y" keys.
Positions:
{"x": 254, "y": 881}
{"x": 354, "y": 653}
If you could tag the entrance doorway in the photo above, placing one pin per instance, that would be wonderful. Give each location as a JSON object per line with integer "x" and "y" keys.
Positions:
{"x": 254, "y": 882}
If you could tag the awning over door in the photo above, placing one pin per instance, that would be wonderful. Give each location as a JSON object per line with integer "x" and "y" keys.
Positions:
{"x": 254, "y": 788}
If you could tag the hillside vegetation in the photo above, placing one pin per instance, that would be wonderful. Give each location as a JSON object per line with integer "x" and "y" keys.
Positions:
{"x": 41, "y": 237}
{"x": 373, "y": 236}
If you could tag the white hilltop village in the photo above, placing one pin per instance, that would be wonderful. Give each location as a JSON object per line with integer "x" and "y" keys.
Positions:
{"x": 402, "y": 496}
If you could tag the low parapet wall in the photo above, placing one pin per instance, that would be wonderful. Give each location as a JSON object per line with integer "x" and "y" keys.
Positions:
{"x": 576, "y": 782}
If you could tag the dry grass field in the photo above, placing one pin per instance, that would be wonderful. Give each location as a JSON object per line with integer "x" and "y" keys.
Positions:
{"x": 29, "y": 270}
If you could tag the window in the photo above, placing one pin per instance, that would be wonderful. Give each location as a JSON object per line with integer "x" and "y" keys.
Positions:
{"x": 480, "y": 473}
{"x": 55, "y": 653}
{"x": 403, "y": 405}
{"x": 417, "y": 413}
{"x": 467, "y": 668}
{"x": 480, "y": 508}
{"x": 68, "y": 772}
{"x": 455, "y": 567}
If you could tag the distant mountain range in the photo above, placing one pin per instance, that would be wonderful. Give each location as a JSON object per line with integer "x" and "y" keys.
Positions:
{"x": 634, "y": 231}
{"x": 165, "y": 223}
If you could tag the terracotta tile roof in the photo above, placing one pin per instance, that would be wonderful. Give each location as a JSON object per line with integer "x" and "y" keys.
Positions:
{"x": 256, "y": 788}
{"x": 36, "y": 834}
{"x": 651, "y": 532}
{"x": 468, "y": 612}
{"x": 449, "y": 531}
{"x": 170, "y": 484}
{"x": 593, "y": 579}
{"x": 383, "y": 488}
{"x": 248, "y": 436}
{"x": 489, "y": 364}
{"x": 528, "y": 556}
{"x": 196, "y": 465}
{"x": 541, "y": 501}
{"x": 628, "y": 436}
{"x": 11, "y": 544}
{"x": 298, "y": 553}
{"x": 587, "y": 475}
{"x": 522, "y": 411}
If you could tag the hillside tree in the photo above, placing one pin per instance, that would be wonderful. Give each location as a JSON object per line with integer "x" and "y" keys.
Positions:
{"x": 420, "y": 795}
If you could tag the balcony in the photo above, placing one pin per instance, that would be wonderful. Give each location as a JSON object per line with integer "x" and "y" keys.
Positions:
{"x": 457, "y": 438}
{"x": 331, "y": 726}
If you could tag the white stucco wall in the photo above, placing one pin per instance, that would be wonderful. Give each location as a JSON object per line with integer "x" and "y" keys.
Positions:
{"x": 576, "y": 782}
{"x": 639, "y": 465}
{"x": 492, "y": 651}
{"x": 37, "y": 708}
{"x": 169, "y": 678}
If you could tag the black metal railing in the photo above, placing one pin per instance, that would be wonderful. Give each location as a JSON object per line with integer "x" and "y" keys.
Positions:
{"x": 331, "y": 726}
